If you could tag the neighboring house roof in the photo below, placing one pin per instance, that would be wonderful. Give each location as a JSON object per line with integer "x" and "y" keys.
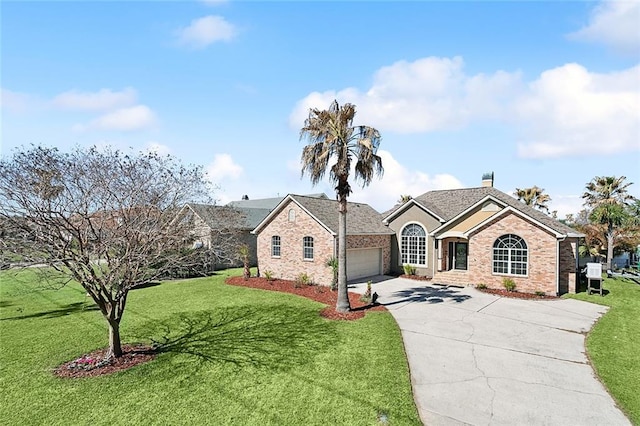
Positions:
{"x": 224, "y": 217}
{"x": 241, "y": 214}
{"x": 451, "y": 203}
{"x": 266, "y": 203}
{"x": 362, "y": 219}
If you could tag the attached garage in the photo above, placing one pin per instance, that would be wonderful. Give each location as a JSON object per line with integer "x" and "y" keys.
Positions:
{"x": 364, "y": 263}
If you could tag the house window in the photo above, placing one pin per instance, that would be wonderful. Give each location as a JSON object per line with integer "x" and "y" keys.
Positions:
{"x": 307, "y": 248}
{"x": 275, "y": 246}
{"x": 413, "y": 245}
{"x": 510, "y": 255}
{"x": 292, "y": 215}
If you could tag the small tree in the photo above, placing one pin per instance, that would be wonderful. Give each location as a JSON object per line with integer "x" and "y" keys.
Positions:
{"x": 332, "y": 262}
{"x": 100, "y": 217}
{"x": 608, "y": 199}
{"x": 244, "y": 254}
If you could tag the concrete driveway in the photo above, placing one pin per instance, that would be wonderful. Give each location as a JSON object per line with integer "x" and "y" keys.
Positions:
{"x": 481, "y": 359}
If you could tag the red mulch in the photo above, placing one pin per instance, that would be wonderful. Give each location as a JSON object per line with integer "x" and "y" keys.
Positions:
{"x": 416, "y": 277}
{"x": 318, "y": 293}
{"x": 515, "y": 294}
{"x": 92, "y": 364}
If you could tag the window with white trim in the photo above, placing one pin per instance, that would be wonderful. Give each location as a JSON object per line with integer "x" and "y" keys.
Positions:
{"x": 307, "y": 248}
{"x": 510, "y": 255}
{"x": 413, "y": 245}
{"x": 275, "y": 246}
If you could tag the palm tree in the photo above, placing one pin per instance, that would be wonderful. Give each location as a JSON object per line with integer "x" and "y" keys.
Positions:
{"x": 607, "y": 196}
{"x": 534, "y": 197}
{"x": 332, "y": 137}
{"x": 404, "y": 199}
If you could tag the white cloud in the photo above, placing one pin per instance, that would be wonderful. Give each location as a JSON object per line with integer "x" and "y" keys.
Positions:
{"x": 223, "y": 167}
{"x": 614, "y": 23}
{"x": 398, "y": 180}
{"x": 566, "y": 111}
{"x": 104, "y": 99}
{"x": 158, "y": 148}
{"x": 566, "y": 204}
{"x": 15, "y": 101}
{"x": 205, "y": 31}
{"x": 569, "y": 111}
{"x": 425, "y": 95}
{"x": 125, "y": 119}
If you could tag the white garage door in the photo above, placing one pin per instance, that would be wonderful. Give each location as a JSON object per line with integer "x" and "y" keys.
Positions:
{"x": 363, "y": 263}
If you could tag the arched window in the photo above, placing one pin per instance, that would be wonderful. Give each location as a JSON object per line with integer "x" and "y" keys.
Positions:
{"x": 307, "y": 248}
{"x": 292, "y": 215}
{"x": 413, "y": 245}
{"x": 275, "y": 246}
{"x": 510, "y": 255}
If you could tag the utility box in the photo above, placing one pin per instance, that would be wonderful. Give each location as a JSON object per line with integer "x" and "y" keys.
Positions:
{"x": 594, "y": 270}
{"x": 594, "y": 274}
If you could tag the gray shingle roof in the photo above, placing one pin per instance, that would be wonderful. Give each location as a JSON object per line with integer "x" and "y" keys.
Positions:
{"x": 225, "y": 217}
{"x": 362, "y": 219}
{"x": 450, "y": 203}
{"x": 266, "y": 203}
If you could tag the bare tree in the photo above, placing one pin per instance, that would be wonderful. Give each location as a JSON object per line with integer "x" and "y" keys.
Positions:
{"x": 100, "y": 217}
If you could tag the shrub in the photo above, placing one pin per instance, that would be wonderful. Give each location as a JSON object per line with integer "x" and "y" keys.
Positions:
{"x": 333, "y": 263}
{"x": 481, "y": 286}
{"x": 509, "y": 284}
{"x": 366, "y": 297}
{"x": 540, "y": 293}
{"x": 408, "y": 269}
{"x": 301, "y": 280}
{"x": 268, "y": 275}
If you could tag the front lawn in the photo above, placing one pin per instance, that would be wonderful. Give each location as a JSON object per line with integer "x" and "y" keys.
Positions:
{"x": 235, "y": 356}
{"x": 613, "y": 344}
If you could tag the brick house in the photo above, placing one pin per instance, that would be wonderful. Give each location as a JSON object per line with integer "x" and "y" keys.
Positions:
{"x": 481, "y": 236}
{"x": 301, "y": 234}
{"x": 229, "y": 225}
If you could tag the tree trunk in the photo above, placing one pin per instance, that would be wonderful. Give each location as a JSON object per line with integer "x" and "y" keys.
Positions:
{"x": 610, "y": 249}
{"x": 115, "y": 347}
{"x": 342, "y": 304}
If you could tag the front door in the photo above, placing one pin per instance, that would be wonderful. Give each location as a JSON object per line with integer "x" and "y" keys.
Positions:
{"x": 458, "y": 255}
{"x": 461, "y": 255}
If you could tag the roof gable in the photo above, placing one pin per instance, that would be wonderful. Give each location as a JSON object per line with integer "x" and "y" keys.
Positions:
{"x": 398, "y": 210}
{"x": 452, "y": 204}
{"x": 361, "y": 218}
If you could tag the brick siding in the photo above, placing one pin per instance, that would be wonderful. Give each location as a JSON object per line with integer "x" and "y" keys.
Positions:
{"x": 290, "y": 264}
{"x": 541, "y": 246}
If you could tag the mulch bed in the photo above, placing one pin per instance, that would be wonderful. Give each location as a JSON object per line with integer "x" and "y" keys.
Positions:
{"x": 416, "y": 277}
{"x": 93, "y": 364}
{"x": 514, "y": 294}
{"x": 320, "y": 294}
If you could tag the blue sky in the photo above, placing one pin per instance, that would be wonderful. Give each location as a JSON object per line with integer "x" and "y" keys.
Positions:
{"x": 541, "y": 93}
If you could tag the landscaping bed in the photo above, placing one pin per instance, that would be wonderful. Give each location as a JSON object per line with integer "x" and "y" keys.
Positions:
{"x": 415, "y": 277}
{"x": 94, "y": 364}
{"x": 515, "y": 294}
{"x": 318, "y": 293}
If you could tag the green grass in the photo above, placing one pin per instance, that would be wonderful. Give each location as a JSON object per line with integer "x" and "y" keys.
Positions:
{"x": 613, "y": 344}
{"x": 235, "y": 356}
